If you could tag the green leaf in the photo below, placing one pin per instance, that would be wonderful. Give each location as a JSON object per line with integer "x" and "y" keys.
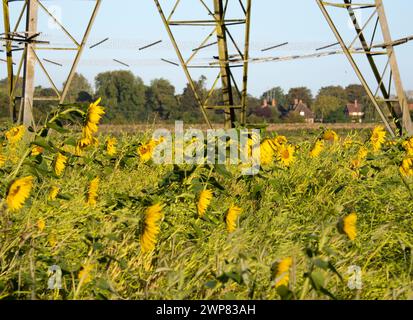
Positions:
{"x": 56, "y": 127}
{"x": 211, "y": 284}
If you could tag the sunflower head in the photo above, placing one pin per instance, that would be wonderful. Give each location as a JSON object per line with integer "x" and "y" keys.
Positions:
{"x": 145, "y": 151}
{"x": 111, "y": 146}
{"x": 408, "y": 146}
{"x": 406, "y": 167}
{"x": 349, "y": 226}
{"x": 153, "y": 217}
{"x": 267, "y": 151}
{"x": 92, "y": 193}
{"x": 36, "y": 150}
{"x": 378, "y": 138}
{"x": 18, "y": 193}
{"x": 204, "y": 201}
{"x": 317, "y": 149}
{"x": 285, "y": 155}
{"x": 53, "y": 192}
{"x": 14, "y": 135}
{"x": 232, "y": 217}
{"x": 283, "y": 272}
{"x": 59, "y": 164}
{"x": 330, "y": 135}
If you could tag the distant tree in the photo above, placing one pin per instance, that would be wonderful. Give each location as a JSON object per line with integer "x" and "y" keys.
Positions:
{"x": 278, "y": 94}
{"x": 79, "y": 88}
{"x": 188, "y": 109}
{"x": 160, "y": 98}
{"x": 4, "y": 103}
{"x": 334, "y": 91}
{"x": 355, "y": 92}
{"x": 123, "y": 95}
{"x": 300, "y": 93}
{"x": 324, "y": 106}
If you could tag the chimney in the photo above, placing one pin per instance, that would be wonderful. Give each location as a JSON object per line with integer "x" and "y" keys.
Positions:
{"x": 274, "y": 102}
{"x": 356, "y": 104}
{"x": 295, "y": 102}
{"x": 301, "y": 101}
{"x": 265, "y": 105}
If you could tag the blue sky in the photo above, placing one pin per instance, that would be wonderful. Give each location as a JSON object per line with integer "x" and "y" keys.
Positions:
{"x": 131, "y": 24}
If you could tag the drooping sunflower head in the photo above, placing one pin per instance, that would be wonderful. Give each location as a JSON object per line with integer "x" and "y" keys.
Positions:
{"x": 151, "y": 229}
{"x": 92, "y": 193}
{"x": 408, "y": 146}
{"x": 406, "y": 168}
{"x": 280, "y": 140}
{"x": 111, "y": 146}
{"x": 36, "y": 150}
{"x": 317, "y": 149}
{"x": 378, "y": 138}
{"x": 145, "y": 151}
{"x": 15, "y": 135}
{"x": 85, "y": 274}
{"x": 267, "y": 151}
{"x": 285, "y": 155}
{"x": 283, "y": 272}
{"x": 350, "y": 226}
{"x": 94, "y": 114}
{"x": 330, "y": 135}
{"x": 204, "y": 201}
{"x": 53, "y": 192}
{"x": 19, "y": 192}
{"x": 59, "y": 164}
{"x": 232, "y": 217}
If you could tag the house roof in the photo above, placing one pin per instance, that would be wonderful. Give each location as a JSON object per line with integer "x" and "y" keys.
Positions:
{"x": 354, "y": 107}
{"x": 302, "y": 107}
{"x": 411, "y": 106}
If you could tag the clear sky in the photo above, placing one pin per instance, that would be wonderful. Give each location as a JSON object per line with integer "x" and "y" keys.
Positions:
{"x": 131, "y": 24}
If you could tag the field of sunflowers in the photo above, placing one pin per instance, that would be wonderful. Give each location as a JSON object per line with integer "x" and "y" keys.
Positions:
{"x": 87, "y": 216}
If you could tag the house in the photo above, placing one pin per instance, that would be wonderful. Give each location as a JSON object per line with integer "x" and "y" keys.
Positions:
{"x": 301, "y": 109}
{"x": 355, "y": 111}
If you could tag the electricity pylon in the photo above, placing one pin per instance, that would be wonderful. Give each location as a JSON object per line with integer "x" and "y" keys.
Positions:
{"x": 28, "y": 42}
{"x": 389, "y": 77}
{"x": 216, "y": 13}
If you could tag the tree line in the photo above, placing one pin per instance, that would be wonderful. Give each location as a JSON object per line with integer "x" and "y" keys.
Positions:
{"x": 129, "y": 100}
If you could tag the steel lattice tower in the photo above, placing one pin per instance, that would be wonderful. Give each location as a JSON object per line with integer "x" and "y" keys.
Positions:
{"x": 387, "y": 79}
{"x": 26, "y": 38}
{"x": 216, "y": 13}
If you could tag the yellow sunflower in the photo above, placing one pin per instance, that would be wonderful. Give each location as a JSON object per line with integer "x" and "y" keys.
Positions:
{"x": 317, "y": 149}
{"x": 330, "y": 135}
{"x": 232, "y": 217}
{"x": 349, "y": 226}
{"x": 283, "y": 272}
{"x": 408, "y": 146}
{"x": 285, "y": 155}
{"x": 378, "y": 138}
{"x": 92, "y": 193}
{"x": 2, "y": 160}
{"x": 53, "y": 192}
{"x": 14, "y": 135}
{"x": 84, "y": 275}
{"x": 145, "y": 151}
{"x": 111, "y": 146}
{"x": 36, "y": 150}
{"x": 19, "y": 192}
{"x": 406, "y": 168}
{"x": 153, "y": 217}
{"x": 94, "y": 114}
{"x": 267, "y": 151}
{"x": 41, "y": 224}
{"x": 204, "y": 201}
{"x": 59, "y": 164}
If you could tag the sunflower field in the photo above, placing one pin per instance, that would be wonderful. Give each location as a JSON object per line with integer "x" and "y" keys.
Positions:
{"x": 90, "y": 216}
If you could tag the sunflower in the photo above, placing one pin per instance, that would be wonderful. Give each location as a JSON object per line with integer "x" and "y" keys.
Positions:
{"x": 280, "y": 140}
{"x": 283, "y": 272}
{"x": 349, "y": 226}
{"x": 232, "y": 216}
{"x": 41, "y": 224}
{"x": 59, "y": 164}
{"x": 361, "y": 157}
{"x": 268, "y": 149}
{"x": 378, "y": 138}
{"x": 18, "y": 193}
{"x": 330, "y": 135}
{"x": 145, "y": 151}
{"x": 406, "y": 168}
{"x": 408, "y": 146}
{"x": 92, "y": 193}
{"x": 317, "y": 149}
{"x": 204, "y": 201}
{"x": 84, "y": 275}
{"x": 14, "y": 135}
{"x": 111, "y": 146}
{"x": 2, "y": 160}
{"x": 36, "y": 151}
{"x": 153, "y": 216}
{"x": 286, "y": 155}
{"x": 53, "y": 192}
{"x": 94, "y": 114}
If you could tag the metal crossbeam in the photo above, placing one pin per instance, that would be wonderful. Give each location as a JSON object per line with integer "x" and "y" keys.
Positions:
{"x": 221, "y": 30}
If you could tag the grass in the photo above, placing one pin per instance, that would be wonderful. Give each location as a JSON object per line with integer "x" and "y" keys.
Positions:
{"x": 287, "y": 212}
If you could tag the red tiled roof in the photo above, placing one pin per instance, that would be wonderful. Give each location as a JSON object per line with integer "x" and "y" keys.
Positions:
{"x": 354, "y": 107}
